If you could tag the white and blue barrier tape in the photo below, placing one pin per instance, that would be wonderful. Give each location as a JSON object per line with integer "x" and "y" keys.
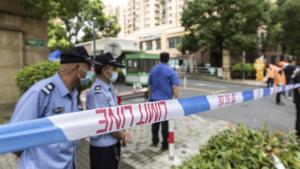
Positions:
{"x": 74, "y": 126}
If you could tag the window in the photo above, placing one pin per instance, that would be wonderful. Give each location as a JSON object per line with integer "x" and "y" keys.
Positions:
{"x": 174, "y": 41}
{"x": 149, "y": 45}
{"x": 140, "y": 65}
{"x": 141, "y": 46}
{"x": 132, "y": 65}
{"x": 158, "y": 44}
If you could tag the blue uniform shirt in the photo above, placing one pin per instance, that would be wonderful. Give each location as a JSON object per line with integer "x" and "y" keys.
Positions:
{"x": 48, "y": 97}
{"x": 102, "y": 95}
{"x": 161, "y": 80}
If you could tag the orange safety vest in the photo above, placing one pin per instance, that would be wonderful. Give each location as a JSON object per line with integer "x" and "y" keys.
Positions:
{"x": 279, "y": 78}
{"x": 270, "y": 73}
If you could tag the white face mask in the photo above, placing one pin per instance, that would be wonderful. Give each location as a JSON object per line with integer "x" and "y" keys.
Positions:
{"x": 114, "y": 76}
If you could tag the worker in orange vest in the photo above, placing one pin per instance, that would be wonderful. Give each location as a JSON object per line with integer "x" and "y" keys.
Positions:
{"x": 279, "y": 80}
{"x": 271, "y": 70}
{"x": 282, "y": 63}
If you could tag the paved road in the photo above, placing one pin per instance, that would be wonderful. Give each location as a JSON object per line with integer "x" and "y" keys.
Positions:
{"x": 254, "y": 113}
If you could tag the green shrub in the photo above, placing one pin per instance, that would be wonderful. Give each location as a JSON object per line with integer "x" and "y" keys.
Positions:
{"x": 34, "y": 73}
{"x": 244, "y": 148}
{"x": 243, "y": 67}
{"x": 121, "y": 75}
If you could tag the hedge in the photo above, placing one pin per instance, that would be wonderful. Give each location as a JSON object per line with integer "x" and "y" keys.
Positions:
{"x": 34, "y": 73}
{"x": 243, "y": 67}
{"x": 244, "y": 148}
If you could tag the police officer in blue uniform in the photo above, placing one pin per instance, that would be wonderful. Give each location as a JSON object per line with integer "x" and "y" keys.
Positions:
{"x": 105, "y": 149}
{"x": 54, "y": 96}
{"x": 296, "y": 79}
{"x": 163, "y": 84}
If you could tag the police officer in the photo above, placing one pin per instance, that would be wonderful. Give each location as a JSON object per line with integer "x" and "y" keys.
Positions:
{"x": 54, "y": 96}
{"x": 105, "y": 149}
{"x": 297, "y": 99}
{"x": 163, "y": 84}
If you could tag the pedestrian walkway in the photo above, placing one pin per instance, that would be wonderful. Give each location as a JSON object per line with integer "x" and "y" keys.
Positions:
{"x": 190, "y": 133}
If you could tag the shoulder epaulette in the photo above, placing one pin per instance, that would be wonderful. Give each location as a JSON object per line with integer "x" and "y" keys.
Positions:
{"x": 48, "y": 88}
{"x": 97, "y": 89}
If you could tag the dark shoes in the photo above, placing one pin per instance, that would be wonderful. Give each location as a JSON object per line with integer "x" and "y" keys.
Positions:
{"x": 154, "y": 144}
{"x": 163, "y": 147}
{"x": 280, "y": 104}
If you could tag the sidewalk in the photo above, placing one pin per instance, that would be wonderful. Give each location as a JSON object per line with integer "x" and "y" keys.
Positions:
{"x": 190, "y": 133}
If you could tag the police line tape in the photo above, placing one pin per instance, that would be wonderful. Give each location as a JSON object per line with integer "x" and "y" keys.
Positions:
{"x": 74, "y": 126}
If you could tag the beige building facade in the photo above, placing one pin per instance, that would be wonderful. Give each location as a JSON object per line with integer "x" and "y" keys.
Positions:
{"x": 23, "y": 41}
{"x": 155, "y": 24}
{"x": 146, "y": 14}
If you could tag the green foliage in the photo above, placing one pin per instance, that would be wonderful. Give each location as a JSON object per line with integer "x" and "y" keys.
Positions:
{"x": 57, "y": 36}
{"x": 226, "y": 24}
{"x": 121, "y": 75}
{"x": 243, "y": 67}
{"x": 244, "y": 148}
{"x": 288, "y": 15}
{"x": 47, "y": 9}
{"x": 90, "y": 13}
{"x": 34, "y": 73}
{"x": 71, "y": 17}
{"x": 110, "y": 29}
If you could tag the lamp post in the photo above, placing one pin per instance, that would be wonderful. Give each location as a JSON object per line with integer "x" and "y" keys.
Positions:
{"x": 94, "y": 36}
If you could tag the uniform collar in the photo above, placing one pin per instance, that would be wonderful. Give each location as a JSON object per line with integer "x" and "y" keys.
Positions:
{"x": 105, "y": 86}
{"x": 164, "y": 64}
{"x": 59, "y": 84}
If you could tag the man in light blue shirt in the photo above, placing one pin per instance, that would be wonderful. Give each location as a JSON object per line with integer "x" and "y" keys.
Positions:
{"x": 163, "y": 84}
{"x": 105, "y": 149}
{"x": 54, "y": 96}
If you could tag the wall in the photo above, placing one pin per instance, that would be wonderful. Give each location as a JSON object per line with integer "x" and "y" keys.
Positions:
{"x": 15, "y": 51}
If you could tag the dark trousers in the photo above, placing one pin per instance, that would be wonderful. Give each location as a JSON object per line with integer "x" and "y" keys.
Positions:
{"x": 270, "y": 82}
{"x": 290, "y": 92}
{"x": 164, "y": 133}
{"x": 105, "y": 157}
{"x": 278, "y": 98}
{"x": 298, "y": 118}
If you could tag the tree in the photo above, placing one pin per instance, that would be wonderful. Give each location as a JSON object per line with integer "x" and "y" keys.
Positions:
{"x": 47, "y": 9}
{"x": 75, "y": 16}
{"x": 57, "y": 36}
{"x": 223, "y": 24}
{"x": 289, "y": 17}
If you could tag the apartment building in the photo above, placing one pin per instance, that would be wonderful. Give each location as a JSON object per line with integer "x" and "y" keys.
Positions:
{"x": 156, "y": 25}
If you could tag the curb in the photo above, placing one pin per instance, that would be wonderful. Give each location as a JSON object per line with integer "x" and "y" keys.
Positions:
{"x": 214, "y": 79}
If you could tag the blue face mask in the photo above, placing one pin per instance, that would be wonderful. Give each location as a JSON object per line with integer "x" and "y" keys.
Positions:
{"x": 114, "y": 76}
{"x": 89, "y": 77}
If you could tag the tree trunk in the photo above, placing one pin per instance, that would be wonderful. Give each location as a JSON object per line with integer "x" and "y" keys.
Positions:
{"x": 226, "y": 64}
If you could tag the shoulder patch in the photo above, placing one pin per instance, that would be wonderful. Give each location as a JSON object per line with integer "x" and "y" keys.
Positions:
{"x": 58, "y": 109}
{"x": 48, "y": 88}
{"x": 97, "y": 89}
